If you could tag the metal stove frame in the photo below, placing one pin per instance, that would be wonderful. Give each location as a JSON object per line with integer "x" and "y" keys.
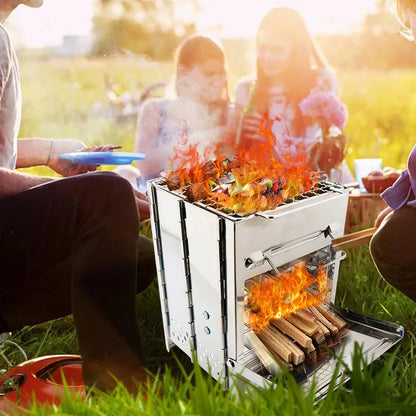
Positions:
{"x": 205, "y": 256}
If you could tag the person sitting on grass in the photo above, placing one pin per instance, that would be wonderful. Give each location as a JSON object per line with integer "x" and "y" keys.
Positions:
{"x": 289, "y": 67}
{"x": 393, "y": 246}
{"x": 199, "y": 110}
{"x": 69, "y": 245}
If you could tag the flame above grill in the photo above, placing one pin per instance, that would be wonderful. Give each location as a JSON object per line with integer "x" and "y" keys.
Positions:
{"x": 255, "y": 179}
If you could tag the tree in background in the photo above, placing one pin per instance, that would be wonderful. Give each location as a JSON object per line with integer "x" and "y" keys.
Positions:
{"x": 146, "y": 27}
{"x": 376, "y": 45}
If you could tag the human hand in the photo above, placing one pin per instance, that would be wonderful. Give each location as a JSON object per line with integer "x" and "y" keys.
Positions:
{"x": 383, "y": 216}
{"x": 142, "y": 203}
{"x": 66, "y": 167}
{"x": 250, "y": 129}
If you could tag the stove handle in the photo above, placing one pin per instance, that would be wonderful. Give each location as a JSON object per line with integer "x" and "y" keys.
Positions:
{"x": 258, "y": 258}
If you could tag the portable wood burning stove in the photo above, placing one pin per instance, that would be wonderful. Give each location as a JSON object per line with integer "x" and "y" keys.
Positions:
{"x": 206, "y": 259}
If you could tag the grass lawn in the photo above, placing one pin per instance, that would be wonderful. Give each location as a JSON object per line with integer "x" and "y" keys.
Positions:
{"x": 63, "y": 103}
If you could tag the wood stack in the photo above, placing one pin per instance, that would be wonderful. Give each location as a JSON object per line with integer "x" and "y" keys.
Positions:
{"x": 303, "y": 337}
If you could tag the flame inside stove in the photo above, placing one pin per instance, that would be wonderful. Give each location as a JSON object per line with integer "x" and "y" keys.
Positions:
{"x": 271, "y": 297}
{"x": 255, "y": 179}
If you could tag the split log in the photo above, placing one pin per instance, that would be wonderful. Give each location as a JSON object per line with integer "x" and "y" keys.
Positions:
{"x": 264, "y": 355}
{"x": 275, "y": 345}
{"x": 331, "y": 316}
{"x": 319, "y": 336}
{"x": 273, "y": 338}
{"x": 309, "y": 328}
{"x": 291, "y": 331}
{"x": 323, "y": 320}
{"x": 306, "y": 316}
{"x": 324, "y": 329}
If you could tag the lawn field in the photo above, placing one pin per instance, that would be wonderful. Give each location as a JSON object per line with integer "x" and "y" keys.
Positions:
{"x": 70, "y": 98}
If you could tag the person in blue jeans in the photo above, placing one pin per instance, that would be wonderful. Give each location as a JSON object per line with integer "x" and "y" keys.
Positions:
{"x": 393, "y": 246}
{"x": 69, "y": 245}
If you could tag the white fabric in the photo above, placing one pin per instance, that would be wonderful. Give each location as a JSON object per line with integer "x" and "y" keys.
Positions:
{"x": 10, "y": 101}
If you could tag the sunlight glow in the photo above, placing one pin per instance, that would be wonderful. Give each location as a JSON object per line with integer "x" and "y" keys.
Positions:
{"x": 223, "y": 18}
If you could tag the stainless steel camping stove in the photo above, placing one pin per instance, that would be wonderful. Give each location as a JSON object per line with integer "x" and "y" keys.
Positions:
{"x": 204, "y": 258}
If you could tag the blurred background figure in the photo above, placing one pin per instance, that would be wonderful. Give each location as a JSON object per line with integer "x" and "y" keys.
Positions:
{"x": 289, "y": 66}
{"x": 198, "y": 111}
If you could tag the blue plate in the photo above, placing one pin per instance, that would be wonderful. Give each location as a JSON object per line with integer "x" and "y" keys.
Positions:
{"x": 102, "y": 158}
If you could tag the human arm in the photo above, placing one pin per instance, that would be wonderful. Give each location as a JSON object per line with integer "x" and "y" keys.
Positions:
{"x": 45, "y": 152}
{"x": 383, "y": 215}
{"x": 396, "y": 196}
{"x": 142, "y": 203}
{"x": 250, "y": 122}
{"x": 147, "y": 132}
{"x": 13, "y": 182}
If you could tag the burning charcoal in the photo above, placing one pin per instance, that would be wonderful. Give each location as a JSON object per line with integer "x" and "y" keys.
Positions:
{"x": 196, "y": 192}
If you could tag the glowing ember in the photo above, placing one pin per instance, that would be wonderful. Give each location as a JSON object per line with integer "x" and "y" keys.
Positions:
{"x": 277, "y": 297}
{"x": 256, "y": 179}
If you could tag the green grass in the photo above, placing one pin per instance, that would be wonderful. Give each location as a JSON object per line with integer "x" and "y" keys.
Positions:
{"x": 59, "y": 97}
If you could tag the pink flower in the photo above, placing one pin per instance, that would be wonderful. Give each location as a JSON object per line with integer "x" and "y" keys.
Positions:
{"x": 325, "y": 108}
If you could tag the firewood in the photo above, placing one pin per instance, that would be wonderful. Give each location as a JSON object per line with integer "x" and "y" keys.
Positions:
{"x": 274, "y": 337}
{"x": 331, "y": 316}
{"x": 297, "y": 355}
{"x": 310, "y": 349}
{"x": 318, "y": 337}
{"x": 322, "y": 319}
{"x": 306, "y": 327}
{"x": 262, "y": 353}
{"x": 311, "y": 357}
{"x": 306, "y": 316}
{"x": 324, "y": 329}
{"x": 274, "y": 345}
{"x": 291, "y": 331}
{"x": 343, "y": 332}
{"x": 273, "y": 352}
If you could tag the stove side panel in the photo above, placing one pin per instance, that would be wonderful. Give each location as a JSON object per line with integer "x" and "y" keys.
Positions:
{"x": 205, "y": 235}
{"x": 173, "y": 283}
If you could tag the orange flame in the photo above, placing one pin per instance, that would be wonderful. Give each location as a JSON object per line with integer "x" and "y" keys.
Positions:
{"x": 256, "y": 179}
{"x": 278, "y": 297}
